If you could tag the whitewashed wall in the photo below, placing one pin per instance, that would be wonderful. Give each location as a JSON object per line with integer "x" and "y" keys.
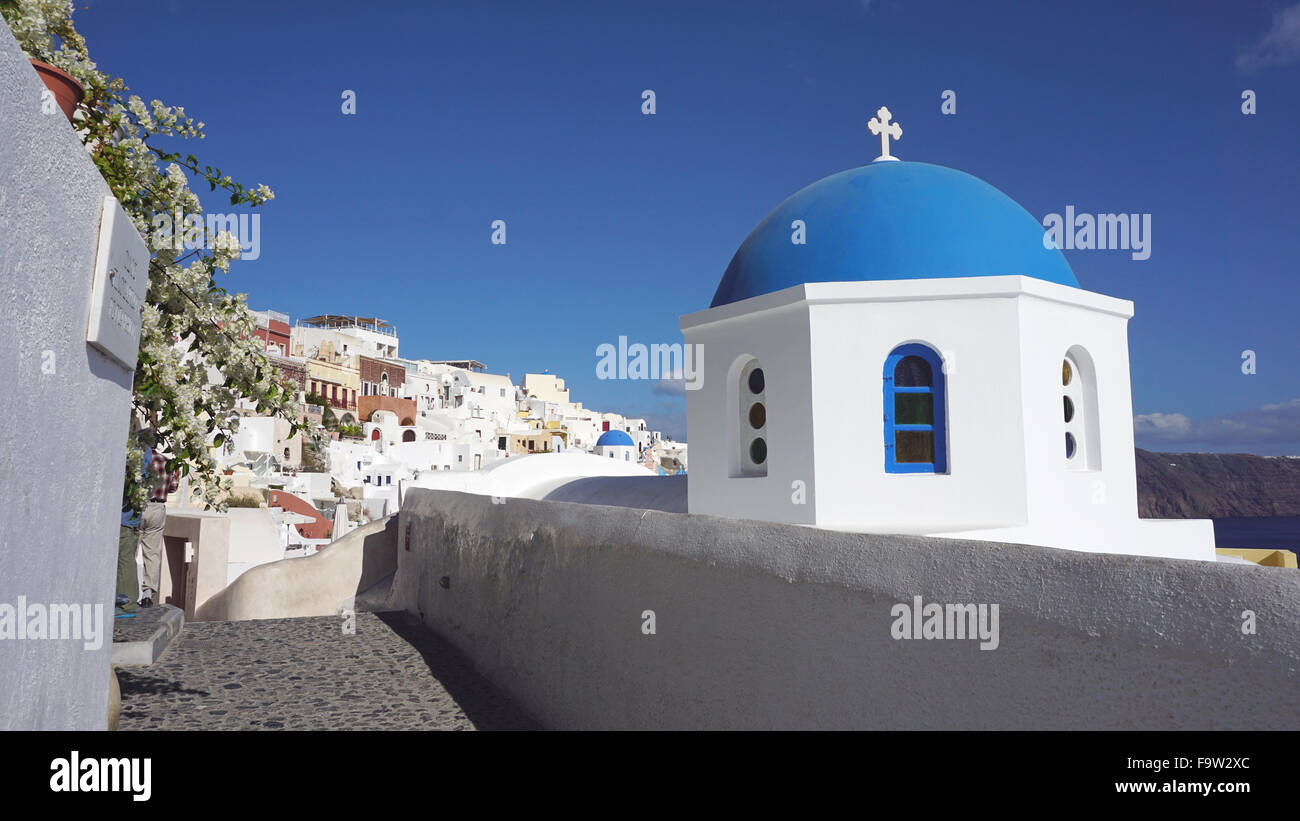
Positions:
{"x": 62, "y": 454}
{"x": 781, "y": 342}
{"x": 761, "y": 625}
{"x": 1002, "y": 341}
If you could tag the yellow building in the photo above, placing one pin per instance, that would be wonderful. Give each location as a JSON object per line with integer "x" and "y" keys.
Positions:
{"x": 1265, "y": 556}
{"x": 535, "y": 442}
{"x": 336, "y": 377}
{"x": 547, "y": 387}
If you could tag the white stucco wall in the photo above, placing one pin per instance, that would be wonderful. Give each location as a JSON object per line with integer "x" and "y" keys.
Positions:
{"x": 62, "y": 455}
{"x": 254, "y": 540}
{"x": 1071, "y": 503}
{"x": 536, "y": 475}
{"x": 770, "y": 626}
{"x": 780, "y": 340}
{"x": 319, "y": 584}
{"x": 978, "y": 339}
{"x": 547, "y": 387}
{"x": 357, "y": 340}
{"x": 266, "y": 434}
{"x": 1001, "y": 341}
{"x": 309, "y": 485}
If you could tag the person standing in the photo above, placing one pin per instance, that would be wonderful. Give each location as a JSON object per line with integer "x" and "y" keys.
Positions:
{"x": 128, "y": 582}
{"x": 152, "y": 521}
{"x": 128, "y": 543}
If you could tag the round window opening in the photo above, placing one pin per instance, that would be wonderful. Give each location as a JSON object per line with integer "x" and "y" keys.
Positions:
{"x": 1067, "y": 373}
{"x": 757, "y": 415}
{"x": 756, "y": 382}
{"x": 1069, "y": 409}
{"x": 1069, "y": 446}
{"x": 758, "y": 451}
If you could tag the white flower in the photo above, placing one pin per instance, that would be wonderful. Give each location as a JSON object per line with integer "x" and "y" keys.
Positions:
{"x": 196, "y": 342}
{"x": 226, "y": 243}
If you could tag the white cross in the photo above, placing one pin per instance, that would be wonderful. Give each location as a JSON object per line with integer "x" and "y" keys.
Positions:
{"x": 881, "y": 125}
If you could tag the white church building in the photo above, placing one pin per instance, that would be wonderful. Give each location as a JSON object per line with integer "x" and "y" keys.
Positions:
{"x": 896, "y": 349}
{"x": 615, "y": 444}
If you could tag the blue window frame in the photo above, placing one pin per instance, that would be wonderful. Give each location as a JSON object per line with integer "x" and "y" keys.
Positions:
{"x": 915, "y": 406}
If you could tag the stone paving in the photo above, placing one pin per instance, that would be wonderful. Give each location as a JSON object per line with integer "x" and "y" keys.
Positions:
{"x": 139, "y": 628}
{"x": 306, "y": 674}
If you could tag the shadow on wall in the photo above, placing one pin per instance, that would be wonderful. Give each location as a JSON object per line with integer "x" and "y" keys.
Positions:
{"x": 481, "y": 700}
{"x": 666, "y": 493}
{"x": 352, "y": 573}
{"x": 102, "y": 368}
{"x": 599, "y": 617}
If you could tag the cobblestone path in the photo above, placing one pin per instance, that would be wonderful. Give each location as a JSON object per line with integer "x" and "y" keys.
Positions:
{"x": 306, "y": 674}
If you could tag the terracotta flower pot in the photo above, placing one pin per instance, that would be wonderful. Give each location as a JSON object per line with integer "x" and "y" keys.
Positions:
{"x": 65, "y": 88}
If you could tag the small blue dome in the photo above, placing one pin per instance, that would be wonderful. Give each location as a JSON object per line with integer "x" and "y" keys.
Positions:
{"x": 892, "y": 220}
{"x": 614, "y": 437}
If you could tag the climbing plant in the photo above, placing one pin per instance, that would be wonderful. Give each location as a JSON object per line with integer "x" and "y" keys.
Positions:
{"x": 199, "y": 362}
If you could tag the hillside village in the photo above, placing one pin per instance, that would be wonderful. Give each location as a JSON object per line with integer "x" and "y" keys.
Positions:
{"x": 396, "y": 422}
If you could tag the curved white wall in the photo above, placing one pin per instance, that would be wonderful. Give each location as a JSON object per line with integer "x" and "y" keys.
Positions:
{"x": 762, "y": 625}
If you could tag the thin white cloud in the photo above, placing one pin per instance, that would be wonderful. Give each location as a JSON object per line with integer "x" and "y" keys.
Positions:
{"x": 673, "y": 385}
{"x": 1270, "y": 426}
{"x": 1280, "y": 45}
{"x": 1161, "y": 424}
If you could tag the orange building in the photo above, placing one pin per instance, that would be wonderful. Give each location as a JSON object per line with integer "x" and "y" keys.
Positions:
{"x": 321, "y": 528}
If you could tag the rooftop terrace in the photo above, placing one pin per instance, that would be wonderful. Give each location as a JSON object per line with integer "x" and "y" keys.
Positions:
{"x": 337, "y": 321}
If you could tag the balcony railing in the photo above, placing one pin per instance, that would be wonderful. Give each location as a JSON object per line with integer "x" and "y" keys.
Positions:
{"x": 341, "y": 322}
{"x": 264, "y": 318}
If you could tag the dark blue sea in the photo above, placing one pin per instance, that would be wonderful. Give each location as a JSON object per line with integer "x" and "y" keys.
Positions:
{"x": 1264, "y": 531}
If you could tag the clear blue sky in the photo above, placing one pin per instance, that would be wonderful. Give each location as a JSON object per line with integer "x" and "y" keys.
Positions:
{"x": 618, "y": 223}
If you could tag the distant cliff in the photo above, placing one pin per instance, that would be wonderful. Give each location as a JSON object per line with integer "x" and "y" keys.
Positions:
{"x": 1215, "y": 485}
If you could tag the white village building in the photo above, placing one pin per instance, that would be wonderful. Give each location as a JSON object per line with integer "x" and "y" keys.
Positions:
{"x": 349, "y": 335}
{"x": 423, "y": 384}
{"x": 616, "y": 444}
{"x": 547, "y": 387}
{"x": 894, "y": 349}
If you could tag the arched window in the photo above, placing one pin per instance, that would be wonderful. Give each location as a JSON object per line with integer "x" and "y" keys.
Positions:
{"x": 916, "y": 439}
{"x": 752, "y": 408}
{"x": 1079, "y": 386}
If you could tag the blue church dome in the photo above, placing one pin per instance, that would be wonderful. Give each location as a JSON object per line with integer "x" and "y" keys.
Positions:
{"x": 614, "y": 437}
{"x": 892, "y": 220}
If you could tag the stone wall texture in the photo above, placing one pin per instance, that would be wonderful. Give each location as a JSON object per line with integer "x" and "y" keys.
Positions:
{"x": 62, "y": 454}
{"x": 761, "y": 625}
